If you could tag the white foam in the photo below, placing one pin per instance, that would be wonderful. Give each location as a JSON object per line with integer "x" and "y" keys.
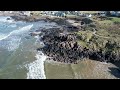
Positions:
{"x": 2, "y": 36}
{"x": 13, "y": 44}
{"x": 37, "y": 37}
{"x": 22, "y": 30}
{"x": 36, "y": 68}
{"x": 4, "y": 19}
{"x": 19, "y": 31}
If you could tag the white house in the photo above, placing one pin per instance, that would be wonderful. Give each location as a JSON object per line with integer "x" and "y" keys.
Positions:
{"x": 113, "y": 13}
{"x": 27, "y": 13}
{"x": 118, "y": 13}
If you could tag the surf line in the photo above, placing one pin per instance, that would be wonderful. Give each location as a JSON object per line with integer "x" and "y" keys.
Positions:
{"x": 36, "y": 68}
{"x": 18, "y": 31}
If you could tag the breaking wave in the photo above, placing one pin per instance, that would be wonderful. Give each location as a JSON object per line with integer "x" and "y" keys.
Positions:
{"x": 12, "y": 40}
{"x": 4, "y": 19}
{"x": 19, "y": 31}
{"x": 36, "y": 68}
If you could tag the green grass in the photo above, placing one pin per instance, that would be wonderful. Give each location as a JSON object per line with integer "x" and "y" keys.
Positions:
{"x": 107, "y": 30}
{"x": 115, "y": 19}
{"x": 87, "y": 36}
{"x": 109, "y": 22}
{"x": 103, "y": 32}
{"x": 82, "y": 43}
{"x": 106, "y": 22}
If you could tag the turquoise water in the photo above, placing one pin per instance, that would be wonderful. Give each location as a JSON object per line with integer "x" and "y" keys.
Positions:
{"x": 18, "y": 49}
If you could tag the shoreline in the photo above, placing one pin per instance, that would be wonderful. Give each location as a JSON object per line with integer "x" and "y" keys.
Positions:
{"x": 63, "y": 69}
{"x": 68, "y": 26}
{"x": 62, "y": 46}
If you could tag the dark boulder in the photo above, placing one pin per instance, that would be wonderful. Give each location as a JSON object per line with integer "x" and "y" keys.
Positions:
{"x": 63, "y": 47}
{"x": 8, "y": 18}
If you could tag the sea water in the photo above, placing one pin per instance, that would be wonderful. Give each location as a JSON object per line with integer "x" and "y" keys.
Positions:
{"x": 18, "y": 56}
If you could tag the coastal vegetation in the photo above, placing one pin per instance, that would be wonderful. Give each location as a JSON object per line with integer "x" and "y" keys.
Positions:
{"x": 95, "y": 37}
{"x": 62, "y": 44}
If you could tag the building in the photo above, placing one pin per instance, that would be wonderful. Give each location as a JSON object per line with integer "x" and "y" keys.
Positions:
{"x": 114, "y": 13}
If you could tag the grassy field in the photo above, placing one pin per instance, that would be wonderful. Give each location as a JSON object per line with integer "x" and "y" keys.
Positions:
{"x": 107, "y": 30}
{"x": 115, "y": 19}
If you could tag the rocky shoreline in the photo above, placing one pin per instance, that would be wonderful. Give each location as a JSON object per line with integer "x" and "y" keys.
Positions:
{"x": 62, "y": 46}
{"x": 61, "y": 43}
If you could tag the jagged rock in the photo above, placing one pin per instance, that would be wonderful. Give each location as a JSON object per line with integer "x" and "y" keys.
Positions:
{"x": 63, "y": 47}
{"x": 8, "y": 18}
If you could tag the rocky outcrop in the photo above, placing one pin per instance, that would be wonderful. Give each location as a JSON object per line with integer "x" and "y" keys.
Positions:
{"x": 61, "y": 44}
{"x": 63, "y": 47}
{"x": 24, "y": 18}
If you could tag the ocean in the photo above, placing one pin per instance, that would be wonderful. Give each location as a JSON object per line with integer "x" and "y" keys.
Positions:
{"x": 18, "y": 56}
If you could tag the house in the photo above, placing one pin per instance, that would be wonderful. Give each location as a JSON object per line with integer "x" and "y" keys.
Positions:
{"x": 113, "y": 13}
{"x": 118, "y": 13}
{"x": 102, "y": 13}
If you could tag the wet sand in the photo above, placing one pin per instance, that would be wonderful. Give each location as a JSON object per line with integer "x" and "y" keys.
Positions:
{"x": 87, "y": 69}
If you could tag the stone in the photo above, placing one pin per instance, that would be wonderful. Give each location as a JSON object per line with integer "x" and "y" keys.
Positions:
{"x": 8, "y": 18}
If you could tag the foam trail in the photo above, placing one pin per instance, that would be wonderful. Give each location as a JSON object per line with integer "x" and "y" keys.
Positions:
{"x": 19, "y": 31}
{"x": 13, "y": 44}
{"x": 36, "y": 68}
{"x": 2, "y": 35}
{"x": 14, "y": 25}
